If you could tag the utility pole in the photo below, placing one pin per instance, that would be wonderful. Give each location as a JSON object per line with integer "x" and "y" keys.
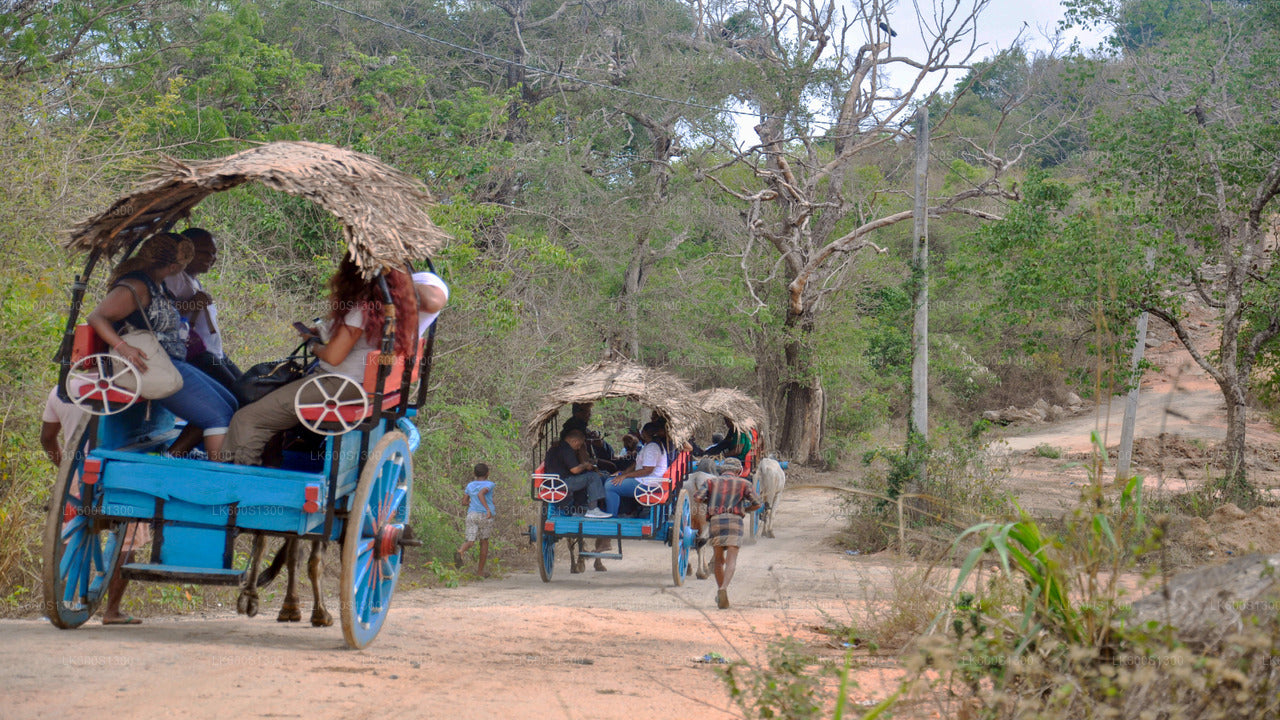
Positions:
{"x": 918, "y": 428}
{"x": 1135, "y": 380}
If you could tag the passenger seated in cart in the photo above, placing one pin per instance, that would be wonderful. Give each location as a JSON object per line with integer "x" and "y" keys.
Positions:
{"x": 356, "y": 319}
{"x": 650, "y": 466}
{"x": 579, "y": 418}
{"x": 735, "y": 444}
{"x": 563, "y": 460}
{"x": 631, "y": 448}
{"x": 204, "y": 346}
{"x": 433, "y": 295}
{"x": 601, "y": 452}
{"x": 137, "y": 288}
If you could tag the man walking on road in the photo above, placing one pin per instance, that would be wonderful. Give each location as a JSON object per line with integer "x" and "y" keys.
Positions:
{"x": 728, "y": 497}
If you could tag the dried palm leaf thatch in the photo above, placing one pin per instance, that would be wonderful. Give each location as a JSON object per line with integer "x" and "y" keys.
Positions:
{"x": 383, "y": 211}
{"x": 664, "y": 393}
{"x": 742, "y": 411}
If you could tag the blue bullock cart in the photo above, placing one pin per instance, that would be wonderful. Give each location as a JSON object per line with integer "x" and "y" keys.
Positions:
{"x": 663, "y": 513}
{"x": 354, "y": 484}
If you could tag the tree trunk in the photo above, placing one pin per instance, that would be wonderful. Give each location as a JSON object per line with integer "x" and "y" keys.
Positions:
{"x": 803, "y": 400}
{"x": 1234, "y": 444}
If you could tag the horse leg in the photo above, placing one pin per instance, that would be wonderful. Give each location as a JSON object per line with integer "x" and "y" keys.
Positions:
{"x": 766, "y": 519}
{"x": 576, "y": 563}
{"x": 247, "y": 601}
{"x": 289, "y": 611}
{"x": 320, "y": 617}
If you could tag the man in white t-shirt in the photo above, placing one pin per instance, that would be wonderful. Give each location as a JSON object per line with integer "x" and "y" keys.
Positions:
{"x": 651, "y": 465}
{"x": 58, "y": 424}
{"x": 199, "y": 309}
{"x": 433, "y": 293}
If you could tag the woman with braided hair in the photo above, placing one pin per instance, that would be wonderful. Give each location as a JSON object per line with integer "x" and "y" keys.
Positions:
{"x": 356, "y": 319}
{"x": 137, "y": 299}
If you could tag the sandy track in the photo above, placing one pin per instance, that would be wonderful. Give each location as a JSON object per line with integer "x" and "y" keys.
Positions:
{"x": 618, "y": 644}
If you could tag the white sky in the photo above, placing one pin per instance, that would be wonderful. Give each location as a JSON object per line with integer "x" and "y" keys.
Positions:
{"x": 998, "y": 27}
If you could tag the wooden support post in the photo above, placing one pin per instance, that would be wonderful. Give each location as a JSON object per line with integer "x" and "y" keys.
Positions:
{"x": 918, "y": 428}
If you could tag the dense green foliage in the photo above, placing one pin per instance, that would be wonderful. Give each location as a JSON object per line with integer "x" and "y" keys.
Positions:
{"x": 590, "y": 221}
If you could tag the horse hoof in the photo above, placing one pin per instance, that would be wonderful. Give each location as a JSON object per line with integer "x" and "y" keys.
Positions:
{"x": 289, "y": 613}
{"x": 321, "y": 618}
{"x": 768, "y": 533}
{"x": 247, "y": 605}
{"x": 702, "y": 574}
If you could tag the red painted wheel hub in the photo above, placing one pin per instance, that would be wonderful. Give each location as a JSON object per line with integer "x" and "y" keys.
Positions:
{"x": 388, "y": 540}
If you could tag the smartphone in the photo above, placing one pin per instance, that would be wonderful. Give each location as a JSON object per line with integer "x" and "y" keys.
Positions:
{"x": 303, "y": 329}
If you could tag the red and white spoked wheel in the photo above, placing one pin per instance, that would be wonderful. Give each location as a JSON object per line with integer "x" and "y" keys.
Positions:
{"x": 331, "y": 415}
{"x": 551, "y": 488}
{"x": 97, "y": 384}
{"x": 649, "y": 494}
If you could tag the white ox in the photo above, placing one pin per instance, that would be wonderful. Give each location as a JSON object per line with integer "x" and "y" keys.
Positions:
{"x": 696, "y": 482}
{"x": 771, "y": 480}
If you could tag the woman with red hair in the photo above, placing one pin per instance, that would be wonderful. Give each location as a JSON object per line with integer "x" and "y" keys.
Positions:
{"x": 355, "y": 327}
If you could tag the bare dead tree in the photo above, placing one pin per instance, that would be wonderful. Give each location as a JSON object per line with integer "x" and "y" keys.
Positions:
{"x": 807, "y": 196}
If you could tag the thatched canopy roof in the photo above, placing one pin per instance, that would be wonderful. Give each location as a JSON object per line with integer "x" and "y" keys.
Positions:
{"x": 741, "y": 410}
{"x": 383, "y": 211}
{"x": 658, "y": 390}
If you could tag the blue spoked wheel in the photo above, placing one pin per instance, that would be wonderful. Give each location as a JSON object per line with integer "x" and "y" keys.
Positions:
{"x": 81, "y": 549}
{"x": 546, "y": 543}
{"x": 682, "y": 537}
{"x": 371, "y": 550}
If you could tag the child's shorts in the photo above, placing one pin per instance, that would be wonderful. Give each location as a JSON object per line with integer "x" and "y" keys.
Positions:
{"x": 479, "y": 527}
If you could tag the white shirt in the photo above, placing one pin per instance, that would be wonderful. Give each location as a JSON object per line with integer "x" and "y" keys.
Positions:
{"x": 353, "y": 365}
{"x": 652, "y": 455}
{"x": 57, "y": 410}
{"x": 431, "y": 279}
{"x": 184, "y": 286}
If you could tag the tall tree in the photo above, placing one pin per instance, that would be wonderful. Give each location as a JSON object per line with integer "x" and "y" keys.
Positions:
{"x": 820, "y": 75}
{"x": 1193, "y": 131}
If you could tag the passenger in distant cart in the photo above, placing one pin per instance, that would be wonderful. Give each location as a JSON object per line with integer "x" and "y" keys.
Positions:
{"x": 735, "y": 444}
{"x": 563, "y": 460}
{"x": 651, "y": 465}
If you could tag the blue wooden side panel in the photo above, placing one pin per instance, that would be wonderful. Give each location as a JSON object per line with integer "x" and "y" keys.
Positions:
{"x": 606, "y": 527}
{"x": 193, "y": 547}
{"x": 203, "y": 493}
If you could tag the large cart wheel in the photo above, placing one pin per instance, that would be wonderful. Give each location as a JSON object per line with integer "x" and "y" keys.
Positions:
{"x": 546, "y": 543}
{"x": 371, "y": 550}
{"x": 682, "y": 537}
{"x": 81, "y": 550}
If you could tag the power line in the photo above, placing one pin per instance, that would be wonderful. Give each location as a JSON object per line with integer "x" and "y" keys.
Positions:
{"x": 553, "y": 73}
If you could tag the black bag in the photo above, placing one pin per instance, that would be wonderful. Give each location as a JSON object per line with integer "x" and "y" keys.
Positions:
{"x": 263, "y": 378}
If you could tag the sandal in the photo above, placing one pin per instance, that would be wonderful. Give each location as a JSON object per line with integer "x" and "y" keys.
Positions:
{"x": 126, "y": 620}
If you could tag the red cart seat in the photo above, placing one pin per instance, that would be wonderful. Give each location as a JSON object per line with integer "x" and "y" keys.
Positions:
{"x": 84, "y": 343}
{"x": 675, "y": 473}
{"x": 391, "y": 389}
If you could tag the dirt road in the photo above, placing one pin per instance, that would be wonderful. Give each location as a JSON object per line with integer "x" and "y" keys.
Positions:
{"x": 618, "y": 644}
